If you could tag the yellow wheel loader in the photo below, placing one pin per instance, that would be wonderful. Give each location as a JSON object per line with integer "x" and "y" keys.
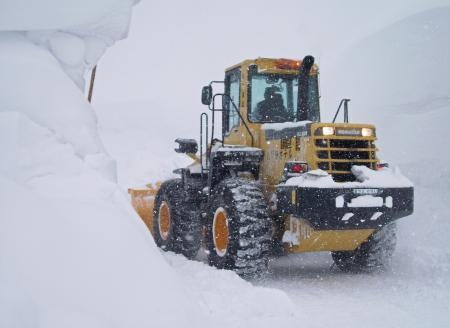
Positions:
{"x": 277, "y": 180}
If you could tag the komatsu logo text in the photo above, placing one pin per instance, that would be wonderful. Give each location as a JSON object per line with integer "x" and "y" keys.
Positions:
{"x": 365, "y": 191}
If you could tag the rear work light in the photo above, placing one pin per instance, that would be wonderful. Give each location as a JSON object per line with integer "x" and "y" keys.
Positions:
{"x": 294, "y": 169}
{"x": 381, "y": 166}
{"x": 298, "y": 168}
{"x": 287, "y": 64}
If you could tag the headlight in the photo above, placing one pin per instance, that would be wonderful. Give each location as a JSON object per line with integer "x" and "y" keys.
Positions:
{"x": 366, "y": 132}
{"x": 327, "y": 130}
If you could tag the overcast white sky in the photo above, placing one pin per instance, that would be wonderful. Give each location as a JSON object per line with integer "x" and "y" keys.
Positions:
{"x": 176, "y": 47}
{"x": 181, "y": 45}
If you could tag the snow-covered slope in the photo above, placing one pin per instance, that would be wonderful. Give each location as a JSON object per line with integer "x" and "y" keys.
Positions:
{"x": 73, "y": 253}
{"x": 61, "y": 108}
{"x": 72, "y": 250}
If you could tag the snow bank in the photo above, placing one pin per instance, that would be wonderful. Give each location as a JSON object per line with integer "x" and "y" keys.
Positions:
{"x": 33, "y": 83}
{"x": 74, "y": 34}
{"x": 222, "y": 294}
{"x": 367, "y": 178}
{"x": 73, "y": 252}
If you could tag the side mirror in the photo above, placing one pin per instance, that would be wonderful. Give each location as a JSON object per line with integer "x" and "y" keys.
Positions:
{"x": 186, "y": 146}
{"x": 207, "y": 95}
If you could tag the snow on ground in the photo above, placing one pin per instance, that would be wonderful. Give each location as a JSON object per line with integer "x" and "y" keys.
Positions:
{"x": 414, "y": 293}
{"x": 397, "y": 78}
{"x": 73, "y": 252}
{"x": 229, "y": 301}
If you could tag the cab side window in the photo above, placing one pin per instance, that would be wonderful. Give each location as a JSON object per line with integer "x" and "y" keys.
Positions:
{"x": 233, "y": 88}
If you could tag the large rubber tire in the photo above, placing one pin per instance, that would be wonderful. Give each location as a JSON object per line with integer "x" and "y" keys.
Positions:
{"x": 184, "y": 232}
{"x": 374, "y": 254}
{"x": 246, "y": 248}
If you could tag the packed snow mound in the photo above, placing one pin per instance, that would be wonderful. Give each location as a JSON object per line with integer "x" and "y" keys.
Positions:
{"x": 222, "y": 294}
{"x": 385, "y": 178}
{"x": 76, "y": 33}
{"x": 74, "y": 253}
{"x": 33, "y": 83}
{"x": 72, "y": 250}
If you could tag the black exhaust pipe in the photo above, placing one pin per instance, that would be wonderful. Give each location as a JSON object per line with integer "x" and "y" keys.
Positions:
{"x": 303, "y": 110}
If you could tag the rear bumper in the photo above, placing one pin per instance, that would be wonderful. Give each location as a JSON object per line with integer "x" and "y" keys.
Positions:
{"x": 346, "y": 208}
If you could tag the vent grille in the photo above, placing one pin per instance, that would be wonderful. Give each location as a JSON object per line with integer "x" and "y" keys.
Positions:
{"x": 337, "y": 156}
{"x": 286, "y": 143}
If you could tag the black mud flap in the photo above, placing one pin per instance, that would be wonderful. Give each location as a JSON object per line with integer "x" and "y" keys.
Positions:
{"x": 346, "y": 208}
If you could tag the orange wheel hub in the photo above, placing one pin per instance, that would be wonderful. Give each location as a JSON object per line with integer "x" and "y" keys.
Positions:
{"x": 164, "y": 221}
{"x": 220, "y": 231}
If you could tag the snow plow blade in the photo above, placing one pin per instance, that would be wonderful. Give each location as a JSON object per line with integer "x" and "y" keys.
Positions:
{"x": 346, "y": 208}
{"x": 143, "y": 202}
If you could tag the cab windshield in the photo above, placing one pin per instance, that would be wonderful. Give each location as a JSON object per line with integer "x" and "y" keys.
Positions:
{"x": 273, "y": 97}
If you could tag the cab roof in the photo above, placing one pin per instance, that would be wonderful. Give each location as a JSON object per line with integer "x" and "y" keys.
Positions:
{"x": 274, "y": 65}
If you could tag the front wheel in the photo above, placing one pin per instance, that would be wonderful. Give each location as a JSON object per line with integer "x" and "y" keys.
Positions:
{"x": 176, "y": 225}
{"x": 239, "y": 228}
{"x": 374, "y": 254}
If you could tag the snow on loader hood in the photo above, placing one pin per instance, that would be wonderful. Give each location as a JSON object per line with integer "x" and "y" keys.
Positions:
{"x": 384, "y": 178}
{"x": 284, "y": 125}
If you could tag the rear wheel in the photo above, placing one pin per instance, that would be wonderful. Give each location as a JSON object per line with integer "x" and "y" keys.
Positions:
{"x": 176, "y": 224}
{"x": 239, "y": 228}
{"x": 374, "y": 254}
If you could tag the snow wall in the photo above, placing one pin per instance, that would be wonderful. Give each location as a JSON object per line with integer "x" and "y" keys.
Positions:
{"x": 73, "y": 253}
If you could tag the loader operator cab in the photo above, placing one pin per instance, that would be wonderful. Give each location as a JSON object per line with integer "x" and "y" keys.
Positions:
{"x": 274, "y": 96}
{"x": 264, "y": 91}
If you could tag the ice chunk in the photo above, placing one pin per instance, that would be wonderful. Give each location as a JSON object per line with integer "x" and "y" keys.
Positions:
{"x": 385, "y": 178}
